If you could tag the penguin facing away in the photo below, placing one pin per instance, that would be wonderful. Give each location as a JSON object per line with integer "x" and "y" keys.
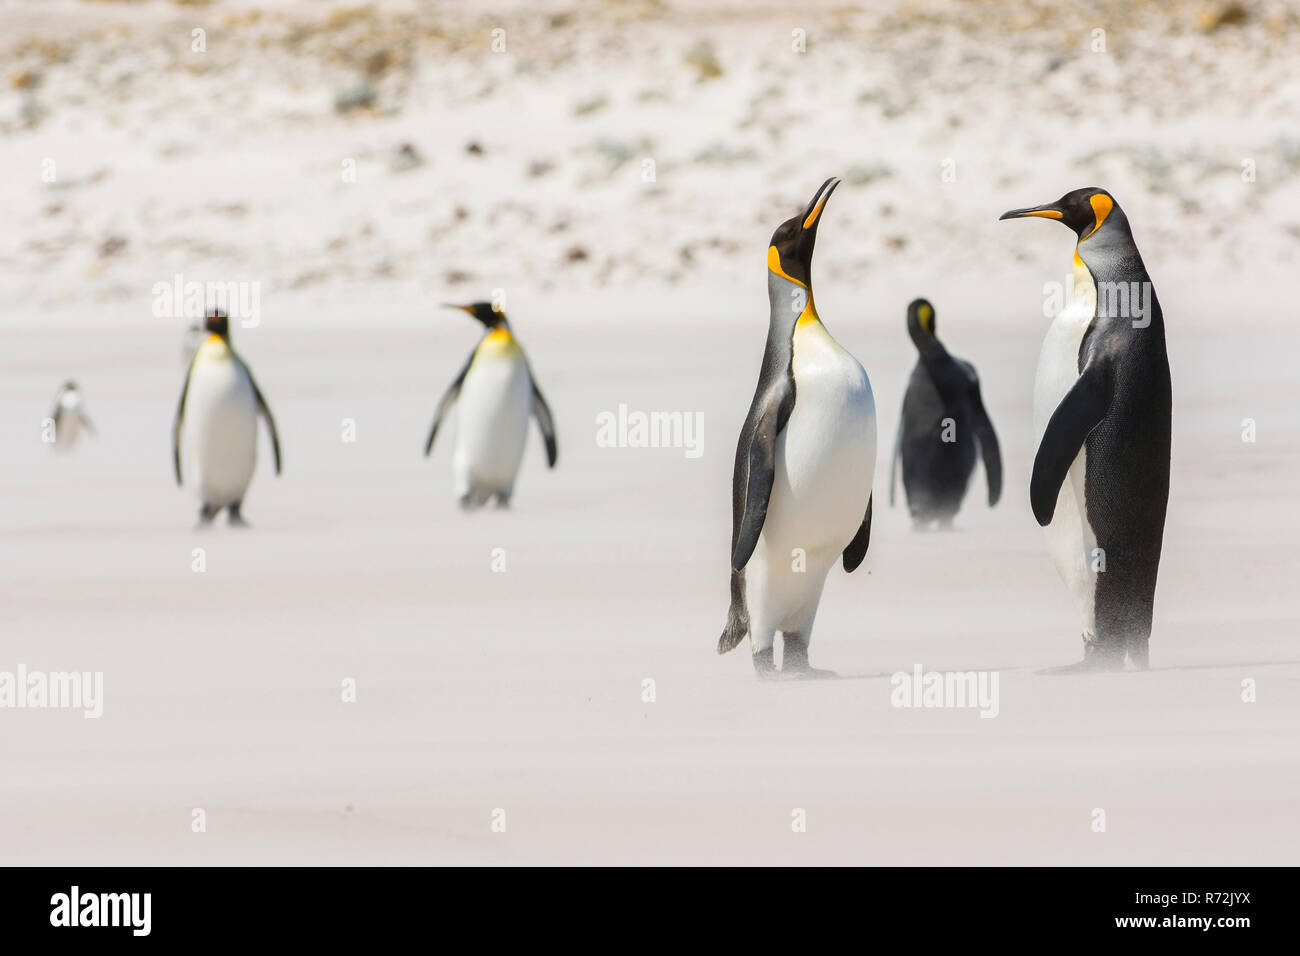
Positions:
{"x": 216, "y": 423}
{"x": 801, "y": 491}
{"x": 496, "y": 394}
{"x": 69, "y": 416}
{"x": 1103, "y": 406}
{"x": 942, "y": 428}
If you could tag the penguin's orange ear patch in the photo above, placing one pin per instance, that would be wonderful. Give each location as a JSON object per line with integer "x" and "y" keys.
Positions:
{"x": 925, "y": 314}
{"x": 774, "y": 264}
{"x": 1101, "y": 206}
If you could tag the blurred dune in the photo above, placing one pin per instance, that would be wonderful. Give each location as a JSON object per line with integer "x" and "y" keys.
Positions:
{"x": 616, "y": 144}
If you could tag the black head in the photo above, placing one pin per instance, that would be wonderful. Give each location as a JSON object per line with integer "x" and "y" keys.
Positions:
{"x": 790, "y": 253}
{"x": 69, "y": 386}
{"x": 217, "y": 323}
{"x": 485, "y": 312}
{"x": 1083, "y": 210}
{"x": 920, "y": 315}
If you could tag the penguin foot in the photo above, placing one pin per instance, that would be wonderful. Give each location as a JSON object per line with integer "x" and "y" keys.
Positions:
{"x": 794, "y": 661}
{"x": 206, "y": 514}
{"x": 808, "y": 673}
{"x": 236, "y": 519}
{"x": 1097, "y": 659}
{"x": 472, "y": 500}
{"x": 1139, "y": 655}
{"x": 765, "y": 664}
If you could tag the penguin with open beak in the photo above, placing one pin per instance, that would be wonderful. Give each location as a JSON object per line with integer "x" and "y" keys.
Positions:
{"x": 496, "y": 394}
{"x": 801, "y": 490}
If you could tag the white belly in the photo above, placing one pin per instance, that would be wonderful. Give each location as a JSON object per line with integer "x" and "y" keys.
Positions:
{"x": 67, "y": 420}
{"x": 492, "y": 415}
{"x": 219, "y": 435}
{"x": 68, "y": 428}
{"x": 825, "y": 461}
{"x": 1070, "y": 538}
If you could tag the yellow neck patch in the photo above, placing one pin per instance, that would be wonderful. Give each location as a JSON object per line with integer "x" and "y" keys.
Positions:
{"x": 213, "y": 349}
{"x": 1085, "y": 289}
{"x": 497, "y": 343}
{"x": 809, "y": 313}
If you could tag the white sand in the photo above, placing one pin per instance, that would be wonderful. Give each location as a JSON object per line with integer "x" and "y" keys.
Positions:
{"x": 522, "y": 690}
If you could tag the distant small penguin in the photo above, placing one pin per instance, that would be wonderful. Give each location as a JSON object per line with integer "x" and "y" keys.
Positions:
{"x": 69, "y": 416}
{"x": 942, "y": 429}
{"x": 801, "y": 490}
{"x": 216, "y": 423}
{"x": 496, "y": 394}
{"x": 1103, "y": 406}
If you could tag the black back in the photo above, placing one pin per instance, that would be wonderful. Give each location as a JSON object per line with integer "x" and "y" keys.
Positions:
{"x": 943, "y": 426}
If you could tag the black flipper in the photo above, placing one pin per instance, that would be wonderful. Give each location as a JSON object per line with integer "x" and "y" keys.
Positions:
{"x": 1082, "y": 409}
{"x": 988, "y": 441}
{"x": 542, "y": 412}
{"x": 176, "y": 426}
{"x": 857, "y": 549}
{"x": 448, "y": 399}
{"x": 755, "y": 473}
{"x": 265, "y": 411}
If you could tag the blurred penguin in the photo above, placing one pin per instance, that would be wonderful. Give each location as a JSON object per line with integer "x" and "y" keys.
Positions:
{"x": 497, "y": 394}
{"x": 216, "y": 422}
{"x": 942, "y": 429}
{"x": 69, "y": 416}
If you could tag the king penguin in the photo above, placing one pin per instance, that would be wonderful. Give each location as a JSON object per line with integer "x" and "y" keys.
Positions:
{"x": 69, "y": 416}
{"x": 1102, "y": 406}
{"x": 801, "y": 491}
{"x": 496, "y": 394}
{"x": 942, "y": 428}
{"x": 216, "y": 423}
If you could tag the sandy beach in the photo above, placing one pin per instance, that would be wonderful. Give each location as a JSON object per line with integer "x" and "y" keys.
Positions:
{"x": 524, "y": 690}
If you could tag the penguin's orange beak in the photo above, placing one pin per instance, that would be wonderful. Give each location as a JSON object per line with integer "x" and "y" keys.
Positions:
{"x": 818, "y": 203}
